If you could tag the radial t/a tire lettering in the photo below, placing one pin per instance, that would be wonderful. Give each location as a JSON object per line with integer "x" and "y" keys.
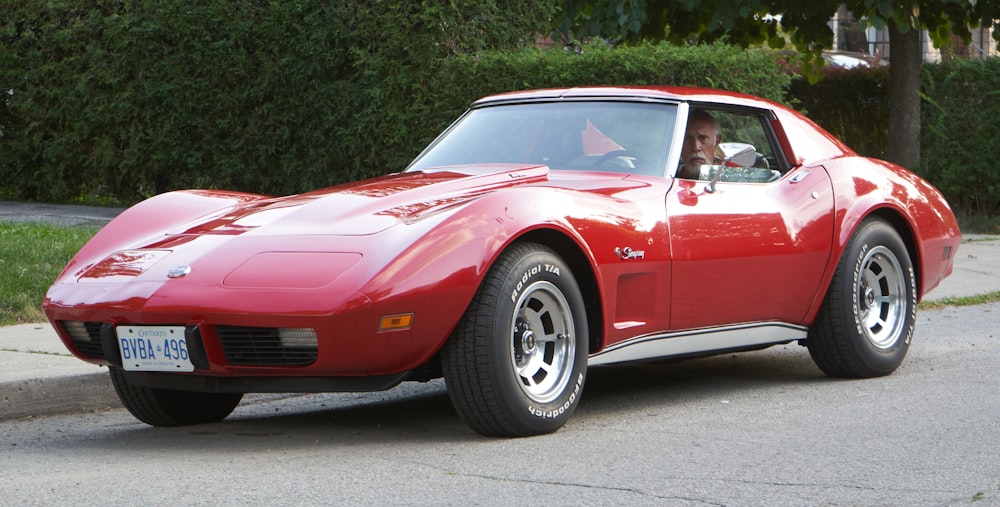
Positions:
{"x": 165, "y": 407}
{"x": 516, "y": 363}
{"x": 866, "y": 323}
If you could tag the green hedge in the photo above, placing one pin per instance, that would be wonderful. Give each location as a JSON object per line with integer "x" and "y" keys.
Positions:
{"x": 851, "y": 104}
{"x": 127, "y": 99}
{"x": 960, "y": 152}
{"x": 130, "y": 98}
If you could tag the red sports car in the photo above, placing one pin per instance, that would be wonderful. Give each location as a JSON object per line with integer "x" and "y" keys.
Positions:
{"x": 543, "y": 233}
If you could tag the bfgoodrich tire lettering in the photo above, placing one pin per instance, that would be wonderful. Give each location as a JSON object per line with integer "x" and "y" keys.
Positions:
{"x": 165, "y": 407}
{"x": 866, "y": 322}
{"x": 516, "y": 363}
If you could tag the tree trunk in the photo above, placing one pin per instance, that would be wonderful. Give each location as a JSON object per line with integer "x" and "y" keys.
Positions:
{"x": 906, "y": 60}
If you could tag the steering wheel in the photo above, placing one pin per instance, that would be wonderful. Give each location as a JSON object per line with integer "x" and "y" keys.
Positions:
{"x": 627, "y": 156}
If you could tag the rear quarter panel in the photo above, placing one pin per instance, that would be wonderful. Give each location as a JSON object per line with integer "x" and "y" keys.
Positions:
{"x": 864, "y": 187}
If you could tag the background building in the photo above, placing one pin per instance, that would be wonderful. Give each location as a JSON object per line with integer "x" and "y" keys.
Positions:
{"x": 855, "y": 36}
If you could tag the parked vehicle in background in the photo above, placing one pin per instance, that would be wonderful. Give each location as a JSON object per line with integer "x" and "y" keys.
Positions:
{"x": 849, "y": 60}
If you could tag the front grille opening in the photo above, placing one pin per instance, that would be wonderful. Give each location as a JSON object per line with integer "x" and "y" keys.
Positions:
{"x": 266, "y": 346}
{"x": 85, "y": 337}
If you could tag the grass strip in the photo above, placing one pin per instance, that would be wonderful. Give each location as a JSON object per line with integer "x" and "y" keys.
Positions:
{"x": 32, "y": 254}
{"x": 980, "y": 299}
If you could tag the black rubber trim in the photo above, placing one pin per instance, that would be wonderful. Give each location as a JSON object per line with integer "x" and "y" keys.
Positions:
{"x": 206, "y": 384}
{"x": 109, "y": 342}
{"x": 196, "y": 347}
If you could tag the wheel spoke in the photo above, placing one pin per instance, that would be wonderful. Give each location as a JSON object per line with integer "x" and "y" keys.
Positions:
{"x": 536, "y": 372}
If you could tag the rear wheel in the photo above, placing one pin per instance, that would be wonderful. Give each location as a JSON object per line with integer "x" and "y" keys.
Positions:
{"x": 866, "y": 322}
{"x": 516, "y": 363}
{"x": 166, "y": 407}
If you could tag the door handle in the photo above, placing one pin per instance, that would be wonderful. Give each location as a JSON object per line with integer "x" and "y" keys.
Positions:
{"x": 799, "y": 177}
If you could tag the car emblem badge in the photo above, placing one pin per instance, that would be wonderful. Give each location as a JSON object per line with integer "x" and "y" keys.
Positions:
{"x": 627, "y": 253}
{"x": 178, "y": 271}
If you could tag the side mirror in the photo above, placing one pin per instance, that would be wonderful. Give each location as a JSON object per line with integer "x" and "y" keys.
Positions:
{"x": 741, "y": 154}
{"x": 738, "y": 154}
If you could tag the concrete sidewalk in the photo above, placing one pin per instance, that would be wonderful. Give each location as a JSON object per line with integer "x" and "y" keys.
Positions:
{"x": 39, "y": 377}
{"x": 64, "y": 214}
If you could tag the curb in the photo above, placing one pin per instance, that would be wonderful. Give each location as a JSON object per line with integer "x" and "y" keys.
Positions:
{"x": 39, "y": 377}
{"x": 39, "y": 397}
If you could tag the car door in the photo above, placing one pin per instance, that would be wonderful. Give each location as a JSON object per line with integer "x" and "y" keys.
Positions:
{"x": 754, "y": 245}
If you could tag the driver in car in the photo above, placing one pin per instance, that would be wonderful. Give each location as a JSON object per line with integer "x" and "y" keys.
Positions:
{"x": 702, "y": 137}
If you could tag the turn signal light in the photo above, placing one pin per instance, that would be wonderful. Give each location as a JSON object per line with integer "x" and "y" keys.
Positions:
{"x": 395, "y": 322}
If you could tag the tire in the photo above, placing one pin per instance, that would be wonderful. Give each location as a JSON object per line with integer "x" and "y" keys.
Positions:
{"x": 165, "y": 407}
{"x": 866, "y": 323}
{"x": 516, "y": 363}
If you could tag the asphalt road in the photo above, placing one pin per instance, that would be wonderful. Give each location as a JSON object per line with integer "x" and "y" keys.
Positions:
{"x": 760, "y": 428}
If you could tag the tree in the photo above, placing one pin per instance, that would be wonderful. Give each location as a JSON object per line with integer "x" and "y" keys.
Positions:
{"x": 804, "y": 24}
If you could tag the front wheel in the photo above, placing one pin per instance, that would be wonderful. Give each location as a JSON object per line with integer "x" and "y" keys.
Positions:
{"x": 166, "y": 407}
{"x": 516, "y": 363}
{"x": 866, "y": 322}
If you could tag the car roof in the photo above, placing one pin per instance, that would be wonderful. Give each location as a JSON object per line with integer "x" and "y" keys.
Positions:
{"x": 667, "y": 93}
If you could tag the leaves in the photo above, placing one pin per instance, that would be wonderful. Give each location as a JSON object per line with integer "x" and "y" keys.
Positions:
{"x": 748, "y": 22}
{"x": 963, "y": 97}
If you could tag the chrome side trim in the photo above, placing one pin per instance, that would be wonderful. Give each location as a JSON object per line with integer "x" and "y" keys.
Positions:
{"x": 695, "y": 341}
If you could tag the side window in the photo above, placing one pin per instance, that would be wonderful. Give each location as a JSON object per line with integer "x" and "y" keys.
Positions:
{"x": 749, "y": 129}
{"x": 711, "y": 133}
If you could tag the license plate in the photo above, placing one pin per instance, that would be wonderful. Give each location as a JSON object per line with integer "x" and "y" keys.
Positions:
{"x": 153, "y": 348}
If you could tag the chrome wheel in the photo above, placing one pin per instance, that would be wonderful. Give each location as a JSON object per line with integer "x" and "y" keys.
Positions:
{"x": 516, "y": 363}
{"x": 543, "y": 345}
{"x": 882, "y": 297}
{"x": 865, "y": 325}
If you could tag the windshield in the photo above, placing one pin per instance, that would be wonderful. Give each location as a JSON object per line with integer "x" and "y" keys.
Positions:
{"x": 630, "y": 137}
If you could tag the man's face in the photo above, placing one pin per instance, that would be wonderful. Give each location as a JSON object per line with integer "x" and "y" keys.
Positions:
{"x": 700, "y": 141}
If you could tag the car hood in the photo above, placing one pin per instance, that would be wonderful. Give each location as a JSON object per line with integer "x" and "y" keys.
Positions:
{"x": 365, "y": 207}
